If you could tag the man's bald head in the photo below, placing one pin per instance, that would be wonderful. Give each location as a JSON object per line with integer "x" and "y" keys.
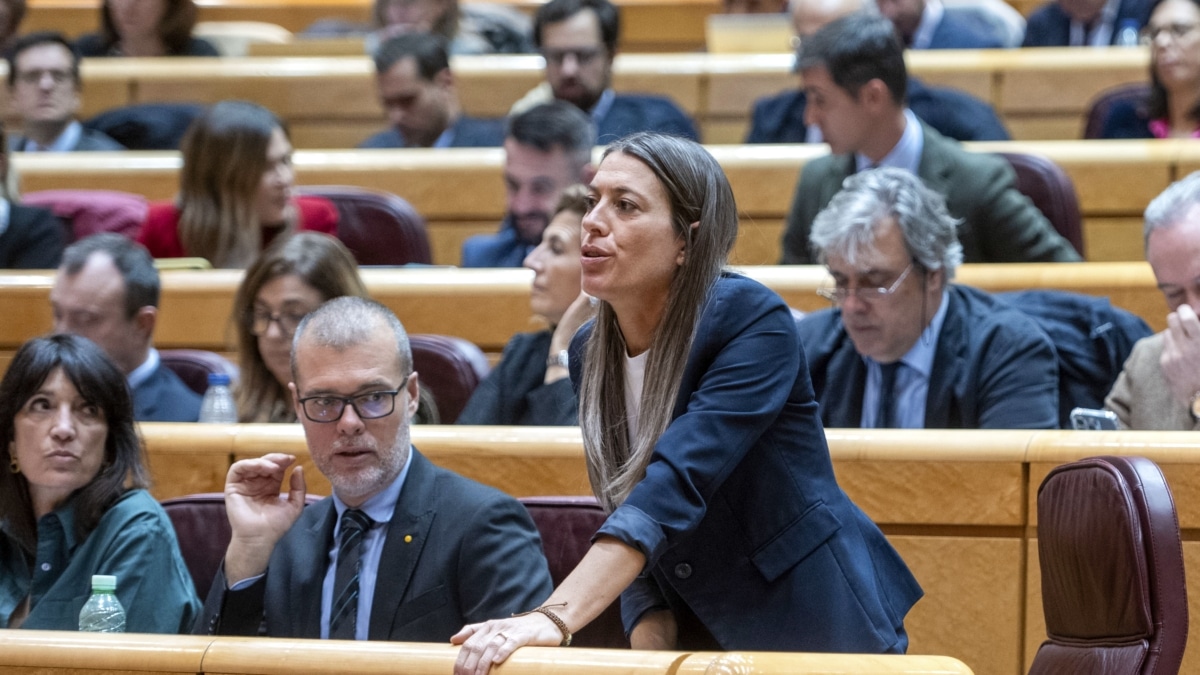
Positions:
{"x": 809, "y": 16}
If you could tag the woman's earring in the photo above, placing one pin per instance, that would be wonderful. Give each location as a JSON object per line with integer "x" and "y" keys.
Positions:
{"x": 13, "y": 466}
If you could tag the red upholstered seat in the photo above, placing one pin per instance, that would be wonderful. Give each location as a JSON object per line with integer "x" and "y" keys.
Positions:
{"x": 193, "y": 366}
{"x": 1113, "y": 589}
{"x": 93, "y": 211}
{"x": 1051, "y": 191}
{"x": 450, "y": 368}
{"x": 379, "y": 228}
{"x": 567, "y": 525}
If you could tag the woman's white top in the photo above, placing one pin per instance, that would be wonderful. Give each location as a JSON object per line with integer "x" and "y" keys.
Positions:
{"x": 635, "y": 375}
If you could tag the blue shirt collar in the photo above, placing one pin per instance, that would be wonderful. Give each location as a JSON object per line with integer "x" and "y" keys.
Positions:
{"x": 603, "y": 105}
{"x": 907, "y": 152}
{"x": 930, "y": 18}
{"x": 1101, "y": 32}
{"x": 66, "y": 141}
{"x": 144, "y": 371}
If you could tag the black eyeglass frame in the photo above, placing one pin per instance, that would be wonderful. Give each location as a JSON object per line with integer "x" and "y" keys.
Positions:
{"x": 352, "y": 401}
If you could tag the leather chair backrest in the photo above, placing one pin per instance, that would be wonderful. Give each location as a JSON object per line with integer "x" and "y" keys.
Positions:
{"x": 1101, "y": 108}
{"x": 379, "y": 228}
{"x": 450, "y": 368}
{"x": 1113, "y": 588}
{"x": 1051, "y": 191}
{"x": 567, "y": 525}
{"x": 193, "y": 366}
{"x": 93, "y": 211}
{"x": 203, "y": 531}
{"x": 147, "y": 126}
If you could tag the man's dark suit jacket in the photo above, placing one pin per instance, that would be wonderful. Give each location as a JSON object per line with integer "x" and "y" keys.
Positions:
{"x": 994, "y": 368}
{"x": 1049, "y": 25}
{"x": 91, "y": 140}
{"x": 999, "y": 224}
{"x": 961, "y": 30}
{"x": 631, "y": 113}
{"x": 469, "y": 132}
{"x": 474, "y": 554}
{"x": 163, "y": 397}
{"x": 33, "y": 240}
{"x": 955, "y": 114}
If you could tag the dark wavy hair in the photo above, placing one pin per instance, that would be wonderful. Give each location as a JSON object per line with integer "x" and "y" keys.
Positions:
{"x": 100, "y": 383}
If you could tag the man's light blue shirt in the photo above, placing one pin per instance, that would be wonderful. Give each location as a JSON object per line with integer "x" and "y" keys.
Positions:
{"x": 1101, "y": 32}
{"x": 144, "y": 371}
{"x": 380, "y": 508}
{"x": 65, "y": 142}
{"x": 931, "y": 17}
{"x": 912, "y": 381}
{"x": 907, "y": 152}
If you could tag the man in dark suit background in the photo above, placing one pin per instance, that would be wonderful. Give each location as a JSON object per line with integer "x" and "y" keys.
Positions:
{"x": 954, "y": 114}
{"x": 903, "y": 347}
{"x": 44, "y": 86}
{"x": 928, "y": 24}
{"x": 420, "y": 96}
{"x": 107, "y": 291}
{"x": 403, "y": 550}
{"x": 855, "y": 80}
{"x": 1084, "y": 23}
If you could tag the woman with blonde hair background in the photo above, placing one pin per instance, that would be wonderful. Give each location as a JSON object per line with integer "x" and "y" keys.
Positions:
{"x": 289, "y": 280}
{"x": 235, "y": 191}
{"x": 727, "y": 529}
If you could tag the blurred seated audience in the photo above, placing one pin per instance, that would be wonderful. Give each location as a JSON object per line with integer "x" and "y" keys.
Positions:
{"x": 43, "y": 89}
{"x": 903, "y": 347}
{"x": 420, "y": 97}
{"x": 107, "y": 290}
{"x": 235, "y": 191}
{"x": 954, "y": 114}
{"x": 929, "y": 24}
{"x": 146, "y": 28}
{"x": 855, "y": 78}
{"x": 472, "y": 28}
{"x": 1159, "y": 388}
{"x": 290, "y": 279}
{"x": 578, "y": 39}
{"x": 1084, "y": 23}
{"x": 530, "y": 385}
{"x": 30, "y": 237}
{"x": 1173, "y": 109}
{"x": 546, "y": 149}
{"x": 73, "y": 500}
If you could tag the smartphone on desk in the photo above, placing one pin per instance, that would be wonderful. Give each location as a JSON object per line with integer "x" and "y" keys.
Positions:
{"x": 1089, "y": 419}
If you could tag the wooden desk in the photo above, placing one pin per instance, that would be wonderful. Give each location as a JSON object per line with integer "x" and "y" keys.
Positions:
{"x": 460, "y": 192}
{"x": 958, "y": 505}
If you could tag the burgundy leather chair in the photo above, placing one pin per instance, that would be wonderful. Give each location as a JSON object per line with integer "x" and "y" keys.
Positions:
{"x": 1101, "y": 108}
{"x": 567, "y": 525}
{"x": 193, "y": 366}
{"x": 203, "y": 531}
{"x": 93, "y": 211}
{"x": 1113, "y": 589}
{"x": 379, "y": 228}
{"x": 450, "y": 368}
{"x": 1051, "y": 191}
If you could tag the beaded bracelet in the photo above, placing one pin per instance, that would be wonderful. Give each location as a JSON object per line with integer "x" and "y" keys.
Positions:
{"x": 562, "y": 625}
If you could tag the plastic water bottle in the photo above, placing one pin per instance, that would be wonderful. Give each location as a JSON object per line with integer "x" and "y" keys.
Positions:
{"x": 103, "y": 613}
{"x": 1127, "y": 33}
{"x": 218, "y": 406}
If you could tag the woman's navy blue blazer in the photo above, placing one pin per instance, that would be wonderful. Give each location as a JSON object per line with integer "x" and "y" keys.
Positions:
{"x": 739, "y": 514}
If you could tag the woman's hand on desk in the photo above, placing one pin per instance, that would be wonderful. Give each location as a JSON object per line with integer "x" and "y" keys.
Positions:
{"x": 491, "y": 642}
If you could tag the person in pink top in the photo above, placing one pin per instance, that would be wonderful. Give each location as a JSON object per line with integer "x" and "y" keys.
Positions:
{"x": 235, "y": 191}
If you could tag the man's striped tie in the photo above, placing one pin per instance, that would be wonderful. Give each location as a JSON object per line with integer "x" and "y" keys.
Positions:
{"x": 342, "y": 616}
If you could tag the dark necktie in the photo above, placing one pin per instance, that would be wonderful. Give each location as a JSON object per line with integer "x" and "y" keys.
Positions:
{"x": 343, "y": 613}
{"x": 885, "y": 419}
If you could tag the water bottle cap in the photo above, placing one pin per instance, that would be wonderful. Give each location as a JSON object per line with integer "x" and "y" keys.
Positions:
{"x": 104, "y": 582}
{"x": 218, "y": 378}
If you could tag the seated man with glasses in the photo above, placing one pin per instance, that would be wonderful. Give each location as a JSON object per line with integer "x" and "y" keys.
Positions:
{"x": 43, "y": 86}
{"x": 403, "y": 550}
{"x": 903, "y": 347}
{"x": 578, "y": 39}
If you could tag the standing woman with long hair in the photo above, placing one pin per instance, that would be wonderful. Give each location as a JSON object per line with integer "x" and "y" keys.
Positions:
{"x": 235, "y": 191}
{"x": 726, "y": 528}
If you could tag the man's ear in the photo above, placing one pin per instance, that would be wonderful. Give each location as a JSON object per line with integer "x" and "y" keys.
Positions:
{"x": 296, "y": 400}
{"x": 444, "y": 78}
{"x": 414, "y": 394}
{"x": 146, "y": 318}
{"x": 875, "y": 94}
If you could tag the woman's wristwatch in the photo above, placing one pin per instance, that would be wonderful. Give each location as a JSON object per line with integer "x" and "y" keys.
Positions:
{"x": 560, "y": 358}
